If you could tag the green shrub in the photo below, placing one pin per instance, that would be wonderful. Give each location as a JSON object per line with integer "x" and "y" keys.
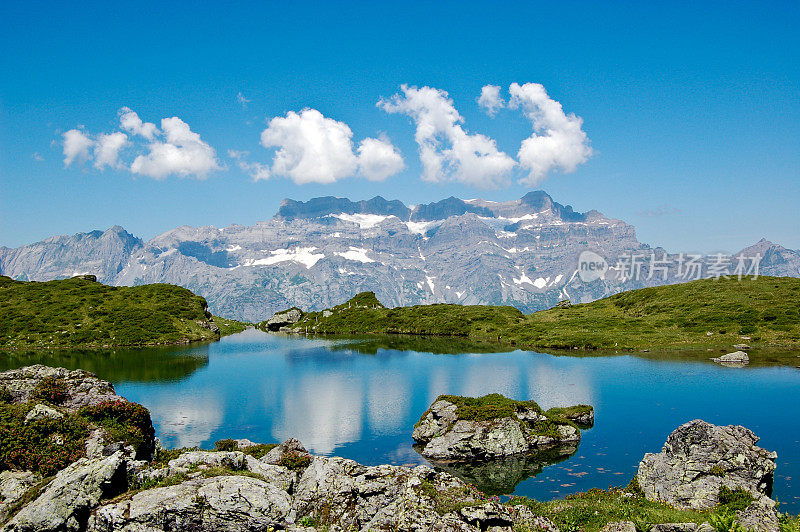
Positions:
{"x": 45, "y": 445}
{"x": 295, "y": 461}
{"x": 51, "y": 389}
{"x": 734, "y": 500}
{"x": 5, "y": 395}
{"x": 122, "y": 421}
{"x": 717, "y": 471}
{"x": 226, "y": 445}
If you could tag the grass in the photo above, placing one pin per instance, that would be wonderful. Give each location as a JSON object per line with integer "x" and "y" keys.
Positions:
{"x": 228, "y": 326}
{"x": 82, "y": 313}
{"x": 766, "y": 310}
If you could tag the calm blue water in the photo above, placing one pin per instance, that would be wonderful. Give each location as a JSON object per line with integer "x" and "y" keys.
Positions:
{"x": 363, "y": 406}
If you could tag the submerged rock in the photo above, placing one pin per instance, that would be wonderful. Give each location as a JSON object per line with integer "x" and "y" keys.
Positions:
{"x": 700, "y": 458}
{"x": 466, "y": 429}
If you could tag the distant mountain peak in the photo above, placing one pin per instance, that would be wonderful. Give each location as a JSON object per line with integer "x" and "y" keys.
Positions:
{"x": 531, "y": 203}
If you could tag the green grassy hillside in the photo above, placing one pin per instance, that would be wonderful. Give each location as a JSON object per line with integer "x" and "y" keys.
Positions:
{"x": 82, "y": 313}
{"x": 765, "y": 311}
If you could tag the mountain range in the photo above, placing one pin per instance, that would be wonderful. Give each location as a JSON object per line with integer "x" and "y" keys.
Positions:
{"x": 318, "y": 253}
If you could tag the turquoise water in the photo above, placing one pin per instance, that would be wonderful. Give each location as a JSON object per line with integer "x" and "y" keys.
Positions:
{"x": 339, "y": 400}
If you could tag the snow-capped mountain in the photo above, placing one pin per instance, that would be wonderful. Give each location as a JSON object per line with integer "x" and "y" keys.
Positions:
{"x": 318, "y": 253}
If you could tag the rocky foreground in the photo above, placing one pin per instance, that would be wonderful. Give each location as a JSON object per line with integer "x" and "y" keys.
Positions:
{"x": 121, "y": 481}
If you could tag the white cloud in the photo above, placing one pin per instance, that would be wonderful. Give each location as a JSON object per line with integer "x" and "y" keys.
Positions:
{"x": 558, "y": 142}
{"x": 378, "y": 159}
{"x": 256, "y": 170}
{"x": 242, "y": 100}
{"x": 130, "y": 122}
{"x": 76, "y": 146}
{"x": 312, "y": 148}
{"x": 490, "y": 99}
{"x": 107, "y": 148}
{"x": 447, "y": 152}
{"x": 183, "y": 153}
{"x": 37, "y": 156}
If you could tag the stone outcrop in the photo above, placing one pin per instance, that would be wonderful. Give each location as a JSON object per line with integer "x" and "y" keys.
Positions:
{"x": 700, "y": 458}
{"x": 448, "y": 431}
{"x": 66, "y": 501}
{"x": 284, "y": 319}
{"x": 737, "y": 359}
{"x": 82, "y": 388}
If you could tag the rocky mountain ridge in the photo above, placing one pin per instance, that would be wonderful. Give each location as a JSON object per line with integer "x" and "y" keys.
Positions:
{"x": 317, "y": 253}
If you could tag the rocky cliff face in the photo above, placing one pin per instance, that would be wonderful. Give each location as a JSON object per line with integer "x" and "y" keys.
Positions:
{"x": 316, "y": 254}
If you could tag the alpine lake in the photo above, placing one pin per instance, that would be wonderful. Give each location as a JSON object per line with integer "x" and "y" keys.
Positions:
{"x": 360, "y": 398}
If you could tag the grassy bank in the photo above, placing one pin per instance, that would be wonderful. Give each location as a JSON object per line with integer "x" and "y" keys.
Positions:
{"x": 79, "y": 312}
{"x": 708, "y": 313}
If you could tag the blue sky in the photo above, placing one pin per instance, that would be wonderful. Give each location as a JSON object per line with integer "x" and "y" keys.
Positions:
{"x": 691, "y": 109}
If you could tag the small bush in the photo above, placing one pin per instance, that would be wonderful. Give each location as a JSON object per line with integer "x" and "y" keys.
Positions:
{"x": 5, "y": 395}
{"x": 295, "y": 461}
{"x": 45, "y": 445}
{"x": 734, "y": 500}
{"x": 122, "y": 421}
{"x": 226, "y": 445}
{"x": 51, "y": 389}
{"x": 717, "y": 471}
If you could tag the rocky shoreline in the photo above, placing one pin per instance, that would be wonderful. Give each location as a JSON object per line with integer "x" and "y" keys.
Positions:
{"x": 120, "y": 480}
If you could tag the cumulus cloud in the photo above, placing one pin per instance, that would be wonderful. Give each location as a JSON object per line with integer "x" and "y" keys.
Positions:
{"x": 447, "y": 152}
{"x": 107, "y": 148}
{"x": 182, "y": 153}
{"x": 76, "y": 146}
{"x": 172, "y": 150}
{"x": 378, "y": 159}
{"x": 256, "y": 170}
{"x": 311, "y": 148}
{"x": 490, "y": 99}
{"x": 558, "y": 142}
{"x": 130, "y": 122}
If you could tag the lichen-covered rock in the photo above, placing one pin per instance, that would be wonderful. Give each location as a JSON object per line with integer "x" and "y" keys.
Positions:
{"x": 231, "y": 503}
{"x": 64, "y": 504}
{"x": 760, "y": 516}
{"x": 493, "y": 426}
{"x": 82, "y": 388}
{"x": 42, "y": 411}
{"x": 699, "y": 458}
{"x": 13, "y": 485}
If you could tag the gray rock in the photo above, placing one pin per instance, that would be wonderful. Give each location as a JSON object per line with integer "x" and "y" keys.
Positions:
{"x": 231, "y": 503}
{"x": 64, "y": 504}
{"x": 443, "y": 436}
{"x": 13, "y": 485}
{"x": 284, "y": 319}
{"x": 621, "y": 526}
{"x": 738, "y": 358}
{"x": 487, "y": 515}
{"x": 83, "y": 388}
{"x": 42, "y": 411}
{"x": 674, "y": 527}
{"x": 741, "y": 347}
{"x": 699, "y": 458}
{"x": 760, "y": 516}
